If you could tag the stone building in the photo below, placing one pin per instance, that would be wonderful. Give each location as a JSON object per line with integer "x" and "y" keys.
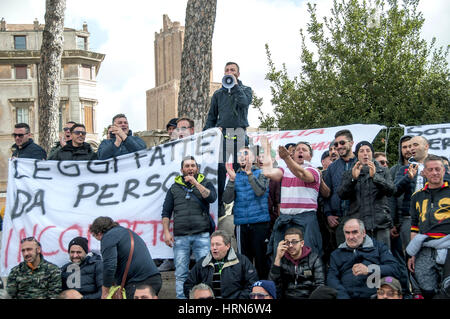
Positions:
{"x": 19, "y": 62}
{"x": 162, "y": 100}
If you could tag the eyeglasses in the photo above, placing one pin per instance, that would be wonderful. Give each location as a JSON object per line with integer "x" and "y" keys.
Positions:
{"x": 293, "y": 242}
{"x": 79, "y": 132}
{"x": 342, "y": 142}
{"x": 18, "y": 134}
{"x": 254, "y": 295}
{"x": 183, "y": 128}
{"x": 389, "y": 293}
{"x": 30, "y": 239}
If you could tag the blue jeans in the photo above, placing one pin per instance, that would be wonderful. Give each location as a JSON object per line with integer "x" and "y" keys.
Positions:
{"x": 199, "y": 245}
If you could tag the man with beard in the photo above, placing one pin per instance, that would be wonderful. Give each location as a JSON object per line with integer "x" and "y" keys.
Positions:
{"x": 300, "y": 183}
{"x": 296, "y": 271}
{"x": 84, "y": 273}
{"x": 188, "y": 201}
{"x": 334, "y": 207}
{"x": 355, "y": 260}
{"x": 34, "y": 278}
{"x": 249, "y": 189}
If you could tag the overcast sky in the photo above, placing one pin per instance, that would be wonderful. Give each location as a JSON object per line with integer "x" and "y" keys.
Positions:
{"x": 125, "y": 32}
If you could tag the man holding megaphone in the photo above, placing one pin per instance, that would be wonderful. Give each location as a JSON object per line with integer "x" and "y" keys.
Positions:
{"x": 229, "y": 112}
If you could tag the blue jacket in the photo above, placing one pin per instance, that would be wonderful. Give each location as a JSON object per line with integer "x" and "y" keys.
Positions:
{"x": 132, "y": 144}
{"x": 251, "y": 197}
{"x": 340, "y": 275}
{"x": 333, "y": 205}
{"x": 91, "y": 277}
{"x": 229, "y": 109}
{"x": 115, "y": 247}
{"x": 29, "y": 150}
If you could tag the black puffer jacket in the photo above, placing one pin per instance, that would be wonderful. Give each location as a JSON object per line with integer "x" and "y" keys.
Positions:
{"x": 237, "y": 276}
{"x": 72, "y": 153}
{"x": 297, "y": 279}
{"x": 29, "y": 150}
{"x": 368, "y": 196}
{"x": 91, "y": 279}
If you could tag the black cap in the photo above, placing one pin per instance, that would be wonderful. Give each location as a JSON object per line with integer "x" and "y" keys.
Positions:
{"x": 172, "y": 122}
{"x": 80, "y": 241}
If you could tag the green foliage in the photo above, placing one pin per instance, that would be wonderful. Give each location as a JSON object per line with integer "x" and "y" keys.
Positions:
{"x": 369, "y": 65}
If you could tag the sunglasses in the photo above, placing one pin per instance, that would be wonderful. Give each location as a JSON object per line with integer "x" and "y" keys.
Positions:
{"x": 79, "y": 132}
{"x": 18, "y": 134}
{"x": 339, "y": 143}
{"x": 244, "y": 153}
{"x": 30, "y": 239}
{"x": 66, "y": 129}
{"x": 383, "y": 162}
{"x": 210, "y": 297}
{"x": 255, "y": 295}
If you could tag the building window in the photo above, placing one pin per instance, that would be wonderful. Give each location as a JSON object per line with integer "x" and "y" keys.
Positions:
{"x": 21, "y": 71}
{"x": 86, "y": 72}
{"x": 22, "y": 114}
{"x": 81, "y": 43}
{"x": 20, "y": 42}
{"x": 89, "y": 118}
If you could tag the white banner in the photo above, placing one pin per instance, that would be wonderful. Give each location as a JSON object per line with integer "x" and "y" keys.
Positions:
{"x": 438, "y": 135}
{"x": 319, "y": 139}
{"x": 57, "y": 201}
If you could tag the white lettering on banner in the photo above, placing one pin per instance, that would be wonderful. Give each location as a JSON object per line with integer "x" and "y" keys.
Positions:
{"x": 56, "y": 201}
{"x": 438, "y": 135}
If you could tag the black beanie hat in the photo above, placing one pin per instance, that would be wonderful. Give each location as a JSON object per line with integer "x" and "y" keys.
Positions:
{"x": 80, "y": 241}
{"x": 358, "y": 146}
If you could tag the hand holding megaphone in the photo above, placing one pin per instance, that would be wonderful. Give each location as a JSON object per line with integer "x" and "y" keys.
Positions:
{"x": 228, "y": 81}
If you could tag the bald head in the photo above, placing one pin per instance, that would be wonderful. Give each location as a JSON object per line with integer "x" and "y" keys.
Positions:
{"x": 419, "y": 148}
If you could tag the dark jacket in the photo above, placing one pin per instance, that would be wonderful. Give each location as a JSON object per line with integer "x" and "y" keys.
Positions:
{"x": 237, "y": 277}
{"x": 430, "y": 211}
{"x": 29, "y": 150}
{"x": 296, "y": 279}
{"x": 72, "y": 153}
{"x": 333, "y": 205}
{"x": 368, "y": 196}
{"x": 371, "y": 252}
{"x": 250, "y": 195}
{"x": 396, "y": 202}
{"x": 91, "y": 277}
{"x": 229, "y": 109}
{"x": 108, "y": 149}
{"x": 115, "y": 247}
{"x": 189, "y": 216}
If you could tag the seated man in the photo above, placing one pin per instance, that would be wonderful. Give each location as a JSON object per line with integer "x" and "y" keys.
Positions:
{"x": 35, "y": 277}
{"x": 297, "y": 271}
{"x": 231, "y": 275}
{"x": 201, "y": 291}
{"x": 144, "y": 291}
{"x": 264, "y": 289}
{"x": 390, "y": 288}
{"x": 352, "y": 263}
{"x": 84, "y": 272}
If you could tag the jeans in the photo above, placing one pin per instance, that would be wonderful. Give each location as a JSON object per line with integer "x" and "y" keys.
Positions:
{"x": 197, "y": 244}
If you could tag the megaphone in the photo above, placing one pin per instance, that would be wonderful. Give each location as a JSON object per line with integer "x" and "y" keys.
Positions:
{"x": 228, "y": 82}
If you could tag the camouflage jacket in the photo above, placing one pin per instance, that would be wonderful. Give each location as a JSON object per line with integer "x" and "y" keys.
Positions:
{"x": 44, "y": 282}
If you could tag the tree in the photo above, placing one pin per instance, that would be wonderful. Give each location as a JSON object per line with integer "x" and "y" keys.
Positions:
{"x": 369, "y": 65}
{"x": 196, "y": 60}
{"x": 50, "y": 72}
